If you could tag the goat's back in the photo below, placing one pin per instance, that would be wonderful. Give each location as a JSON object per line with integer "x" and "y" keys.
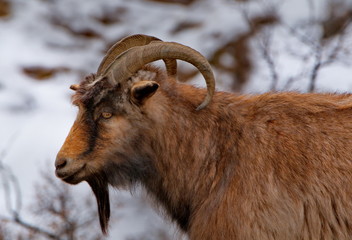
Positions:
{"x": 291, "y": 175}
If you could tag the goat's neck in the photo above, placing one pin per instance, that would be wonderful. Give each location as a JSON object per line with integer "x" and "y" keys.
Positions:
{"x": 184, "y": 173}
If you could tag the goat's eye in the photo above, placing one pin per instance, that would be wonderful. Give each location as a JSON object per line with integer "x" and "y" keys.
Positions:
{"x": 106, "y": 115}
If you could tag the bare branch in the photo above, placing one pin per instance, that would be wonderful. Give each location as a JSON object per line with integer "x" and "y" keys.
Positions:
{"x": 313, "y": 76}
{"x": 30, "y": 227}
{"x": 264, "y": 44}
{"x": 9, "y": 181}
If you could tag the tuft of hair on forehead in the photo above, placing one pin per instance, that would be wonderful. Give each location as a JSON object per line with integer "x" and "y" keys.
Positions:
{"x": 91, "y": 90}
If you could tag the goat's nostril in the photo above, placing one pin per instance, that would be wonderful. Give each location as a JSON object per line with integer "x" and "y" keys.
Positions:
{"x": 60, "y": 163}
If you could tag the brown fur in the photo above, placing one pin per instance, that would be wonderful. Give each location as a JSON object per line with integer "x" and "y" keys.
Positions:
{"x": 271, "y": 166}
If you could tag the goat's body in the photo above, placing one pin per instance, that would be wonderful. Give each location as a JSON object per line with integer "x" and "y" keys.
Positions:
{"x": 273, "y": 166}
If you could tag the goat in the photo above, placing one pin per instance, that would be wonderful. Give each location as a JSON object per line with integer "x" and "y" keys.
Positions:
{"x": 223, "y": 166}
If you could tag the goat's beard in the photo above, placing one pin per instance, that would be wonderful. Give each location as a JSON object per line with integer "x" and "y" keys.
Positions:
{"x": 99, "y": 185}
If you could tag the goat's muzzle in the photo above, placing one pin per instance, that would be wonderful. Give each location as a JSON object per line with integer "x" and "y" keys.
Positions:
{"x": 68, "y": 171}
{"x": 60, "y": 163}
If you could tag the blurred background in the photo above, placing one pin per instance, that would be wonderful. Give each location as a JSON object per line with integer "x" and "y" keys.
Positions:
{"x": 254, "y": 46}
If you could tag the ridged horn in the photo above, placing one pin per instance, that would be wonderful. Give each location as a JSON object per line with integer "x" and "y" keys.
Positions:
{"x": 130, "y": 61}
{"x": 129, "y": 42}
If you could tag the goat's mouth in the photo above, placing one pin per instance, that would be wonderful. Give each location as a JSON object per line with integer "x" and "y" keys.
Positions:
{"x": 72, "y": 177}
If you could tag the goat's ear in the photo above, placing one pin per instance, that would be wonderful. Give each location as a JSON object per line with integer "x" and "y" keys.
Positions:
{"x": 143, "y": 90}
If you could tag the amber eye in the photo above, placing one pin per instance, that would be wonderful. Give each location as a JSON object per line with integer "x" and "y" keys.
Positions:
{"x": 106, "y": 115}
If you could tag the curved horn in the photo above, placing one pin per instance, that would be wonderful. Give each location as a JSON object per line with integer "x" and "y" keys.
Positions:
{"x": 130, "y": 61}
{"x": 129, "y": 42}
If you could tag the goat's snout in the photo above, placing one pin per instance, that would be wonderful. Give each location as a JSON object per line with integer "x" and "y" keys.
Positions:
{"x": 61, "y": 167}
{"x": 69, "y": 170}
{"x": 60, "y": 163}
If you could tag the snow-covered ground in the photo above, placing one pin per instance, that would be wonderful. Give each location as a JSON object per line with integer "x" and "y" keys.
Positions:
{"x": 35, "y": 115}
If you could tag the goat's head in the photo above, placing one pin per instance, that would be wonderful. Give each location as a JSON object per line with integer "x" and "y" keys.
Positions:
{"x": 111, "y": 122}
